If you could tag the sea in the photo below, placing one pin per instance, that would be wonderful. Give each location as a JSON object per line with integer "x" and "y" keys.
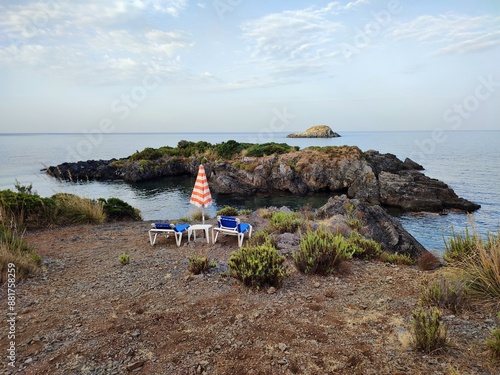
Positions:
{"x": 468, "y": 161}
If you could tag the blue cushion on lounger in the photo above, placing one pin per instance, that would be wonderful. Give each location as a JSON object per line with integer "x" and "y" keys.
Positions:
{"x": 181, "y": 227}
{"x": 163, "y": 226}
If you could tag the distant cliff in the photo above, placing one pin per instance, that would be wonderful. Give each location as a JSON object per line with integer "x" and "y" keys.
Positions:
{"x": 319, "y": 131}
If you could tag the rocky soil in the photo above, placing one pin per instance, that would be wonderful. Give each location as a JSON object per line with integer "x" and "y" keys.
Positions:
{"x": 85, "y": 313}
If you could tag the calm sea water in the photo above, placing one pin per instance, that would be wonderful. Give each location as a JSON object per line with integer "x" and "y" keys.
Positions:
{"x": 467, "y": 161}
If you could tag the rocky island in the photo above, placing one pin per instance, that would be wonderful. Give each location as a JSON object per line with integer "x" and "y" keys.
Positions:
{"x": 247, "y": 169}
{"x": 318, "y": 131}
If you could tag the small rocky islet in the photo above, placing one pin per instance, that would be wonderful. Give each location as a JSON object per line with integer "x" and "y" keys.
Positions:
{"x": 317, "y": 131}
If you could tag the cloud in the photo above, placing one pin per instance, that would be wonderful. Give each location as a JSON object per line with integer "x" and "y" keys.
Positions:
{"x": 292, "y": 40}
{"x": 92, "y": 42}
{"x": 451, "y": 33}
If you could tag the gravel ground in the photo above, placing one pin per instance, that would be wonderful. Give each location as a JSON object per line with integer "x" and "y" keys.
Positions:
{"x": 85, "y": 313}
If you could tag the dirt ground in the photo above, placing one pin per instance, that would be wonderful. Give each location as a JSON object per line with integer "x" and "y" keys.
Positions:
{"x": 85, "y": 313}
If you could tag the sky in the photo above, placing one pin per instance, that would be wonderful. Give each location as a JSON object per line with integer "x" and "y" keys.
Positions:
{"x": 248, "y": 66}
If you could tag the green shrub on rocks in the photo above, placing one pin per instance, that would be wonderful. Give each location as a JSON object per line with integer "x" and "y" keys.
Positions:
{"x": 286, "y": 222}
{"x": 321, "y": 252}
{"x": 257, "y": 266}
{"x": 364, "y": 248}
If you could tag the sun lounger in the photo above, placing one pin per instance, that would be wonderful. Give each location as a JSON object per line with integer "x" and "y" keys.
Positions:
{"x": 232, "y": 226}
{"x": 167, "y": 229}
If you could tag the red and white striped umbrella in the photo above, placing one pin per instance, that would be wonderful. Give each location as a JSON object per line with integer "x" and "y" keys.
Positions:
{"x": 201, "y": 196}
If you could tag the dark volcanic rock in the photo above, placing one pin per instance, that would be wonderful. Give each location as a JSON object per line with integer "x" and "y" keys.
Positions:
{"x": 377, "y": 224}
{"x": 379, "y": 179}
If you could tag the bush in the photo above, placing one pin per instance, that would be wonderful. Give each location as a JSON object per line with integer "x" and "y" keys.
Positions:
{"x": 226, "y": 150}
{"x": 71, "y": 209}
{"x": 364, "y": 248}
{"x": 444, "y": 293}
{"x": 428, "y": 261}
{"x": 320, "y": 252}
{"x": 286, "y": 222}
{"x": 116, "y": 209}
{"x": 199, "y": 265}
{"x": 428, "y": 329}
{"x": 460, "y": 246}
{"x": 399, "y": 259}
{"x": 124, "y": 258}
{"x": 257, "y": 266}
{"x": 15, "y": 250}
{"x": 261, "y": 237}
{"x": 228, "y": 211}
{"x": 28, "y": 210}
{"x": 481, "y": 272}
{"x": 270, "y": 148}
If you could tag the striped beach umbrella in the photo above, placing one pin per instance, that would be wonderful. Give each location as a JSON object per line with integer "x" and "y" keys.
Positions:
{"x": 201, "y": 192}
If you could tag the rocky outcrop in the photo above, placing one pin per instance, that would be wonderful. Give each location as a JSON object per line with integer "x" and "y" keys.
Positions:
{"x": 379, "y": 179}
{"x": 318, "y": 131}
{"x": 377, "y": 224}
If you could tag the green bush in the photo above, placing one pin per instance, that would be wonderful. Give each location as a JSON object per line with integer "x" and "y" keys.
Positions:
{"x": 227, "y": 150}
{"x": 270, "y": 148}
{"x": 116, "y": 209}
{"x": 199, "y": 265}
{"x": 286, "y": 222}
{"x": 257, "y": 266}
{"x": 29, "y": 210}
{"x": 428, "y": 329}
{"x": 124, "y": 258}
{"x": 364, "y": 248}
{"x": 260, "y": 237}
{"x": 395, "y": 258}
{"x": 321, "y": 252}
{"x": 460, "y": 246}
{"x": 228, "y": 211}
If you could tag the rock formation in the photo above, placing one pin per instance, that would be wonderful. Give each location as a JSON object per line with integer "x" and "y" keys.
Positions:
{"x": 377, "y": 224}
{"x": 378, "y": 179}
{"x": 318, "y": 131}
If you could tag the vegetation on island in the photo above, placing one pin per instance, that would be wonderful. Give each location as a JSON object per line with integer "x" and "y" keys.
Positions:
{"x": 225, "y": 150}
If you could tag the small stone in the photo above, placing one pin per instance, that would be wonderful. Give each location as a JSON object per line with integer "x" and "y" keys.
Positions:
{"x": 136, "y": 333}
{"x": 282, "y": 362}
{"x": 271, "y": 290}
{"x": 317, "y": 284}
{"x": 282, "y": 346}
{"x": 135, "y": 365}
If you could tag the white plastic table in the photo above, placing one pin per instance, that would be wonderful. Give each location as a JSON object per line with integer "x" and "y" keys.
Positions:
{"x": 205, "y": 227}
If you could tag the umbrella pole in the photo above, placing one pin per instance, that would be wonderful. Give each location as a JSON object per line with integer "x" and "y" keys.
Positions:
{"x": 202, "y": 215}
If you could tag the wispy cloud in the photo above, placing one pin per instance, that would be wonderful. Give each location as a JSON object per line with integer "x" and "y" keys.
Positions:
{"x": 451, "y": 33}
{"x": 93, "y": 42}
{"x": 299, "y": 42}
